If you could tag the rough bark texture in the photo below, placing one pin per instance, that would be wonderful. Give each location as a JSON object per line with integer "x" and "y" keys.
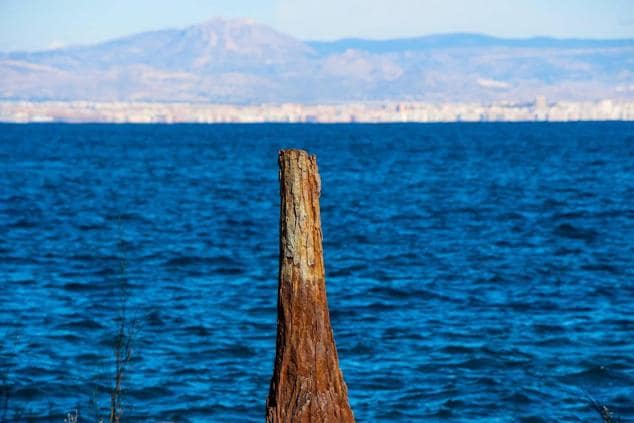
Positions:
{"x": 307, "y": 384}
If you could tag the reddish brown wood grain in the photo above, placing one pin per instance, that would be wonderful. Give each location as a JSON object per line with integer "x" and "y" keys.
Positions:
{"x": 307, "y": 383}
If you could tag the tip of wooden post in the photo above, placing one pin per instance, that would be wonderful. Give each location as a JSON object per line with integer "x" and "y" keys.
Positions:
{"x": 294, "y": 152}
{"x": 298, "y": 156}
{"x": 293, "y": 159}
{"x": 291, "y": 150}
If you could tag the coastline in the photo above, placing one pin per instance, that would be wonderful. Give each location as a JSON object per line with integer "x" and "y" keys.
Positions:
{"x": 371, "y": 112}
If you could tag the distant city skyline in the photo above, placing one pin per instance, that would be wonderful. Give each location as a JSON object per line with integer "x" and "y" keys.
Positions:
{"x": 41, "y": 24}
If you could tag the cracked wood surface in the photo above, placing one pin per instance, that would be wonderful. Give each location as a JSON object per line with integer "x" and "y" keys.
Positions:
{"x": 307, "y": 383}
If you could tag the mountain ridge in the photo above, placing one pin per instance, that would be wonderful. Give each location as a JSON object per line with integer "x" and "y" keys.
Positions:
{"x": 244, "y": 62}
{"x": 428, "y": 39}
{"x": 467, "y": 39}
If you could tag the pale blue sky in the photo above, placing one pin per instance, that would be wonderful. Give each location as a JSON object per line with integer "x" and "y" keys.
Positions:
{"x": 41, "y": 24}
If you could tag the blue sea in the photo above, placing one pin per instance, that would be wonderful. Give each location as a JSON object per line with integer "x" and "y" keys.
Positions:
{"x": 475, "y": 272}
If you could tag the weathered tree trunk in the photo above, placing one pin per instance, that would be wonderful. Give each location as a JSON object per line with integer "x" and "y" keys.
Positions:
{"x": 307, "y": 384}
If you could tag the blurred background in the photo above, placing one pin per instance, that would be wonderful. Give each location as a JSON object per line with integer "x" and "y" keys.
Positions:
{"x": 402, "y": 60}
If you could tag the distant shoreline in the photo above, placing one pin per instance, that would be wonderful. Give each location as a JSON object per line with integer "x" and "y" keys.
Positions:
{"x": 372, "y": 112}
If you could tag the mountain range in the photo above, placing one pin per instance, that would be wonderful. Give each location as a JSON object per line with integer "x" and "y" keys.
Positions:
{"x": 244, "y": 62}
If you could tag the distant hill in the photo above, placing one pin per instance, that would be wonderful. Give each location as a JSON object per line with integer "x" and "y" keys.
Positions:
{"x": 457, "y": 40}
{"x": 243, "y": 62}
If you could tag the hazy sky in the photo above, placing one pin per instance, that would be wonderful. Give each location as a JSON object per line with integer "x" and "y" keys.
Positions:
{"x": 41, "y": 24}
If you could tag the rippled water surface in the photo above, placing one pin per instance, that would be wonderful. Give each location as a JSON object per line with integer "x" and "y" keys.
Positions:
{"x": 475, "y": 272}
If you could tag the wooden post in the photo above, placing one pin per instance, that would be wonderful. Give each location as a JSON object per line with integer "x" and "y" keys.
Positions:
{"x": 307, "y": 384}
